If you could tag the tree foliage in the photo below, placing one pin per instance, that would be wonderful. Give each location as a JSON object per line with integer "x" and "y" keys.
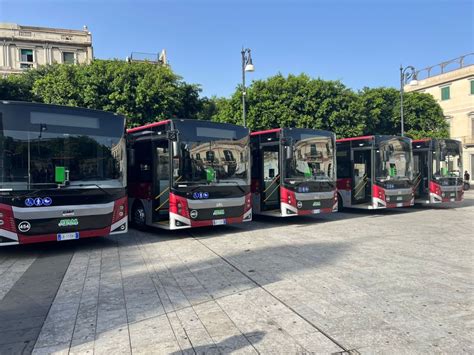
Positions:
{"x": 299, "y": 101}
{"x": 295, "y": 101}
{"x": 423, "y": 117}
{"x": 143, "y": 92}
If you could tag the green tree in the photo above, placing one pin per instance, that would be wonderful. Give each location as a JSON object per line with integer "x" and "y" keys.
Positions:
{"x": 18, "y": 86}
{"x": 143, "y": 92}
{"x": 423, "y": 117}
{"x": 295, "y": 101}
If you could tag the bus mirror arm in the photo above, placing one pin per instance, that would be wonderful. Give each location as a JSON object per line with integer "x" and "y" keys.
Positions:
{"x": 131, "y": 156}
{"x": 288, "y": 152}
{"x": 175, "y": 149}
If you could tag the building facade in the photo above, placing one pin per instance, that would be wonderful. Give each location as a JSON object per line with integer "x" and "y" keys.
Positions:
{"x": 451, "y": 83}
{"x": 24, "y": 47}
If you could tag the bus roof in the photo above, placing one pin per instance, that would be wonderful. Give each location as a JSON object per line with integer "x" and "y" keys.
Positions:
{"x": 292, "y": 129}
{"x": 147, "y": 126}
{"x": 265, "y": 132}
{"x": 355, "y": 138}
{"x": 421, "y": 140}
{"x": 40, "y": 104}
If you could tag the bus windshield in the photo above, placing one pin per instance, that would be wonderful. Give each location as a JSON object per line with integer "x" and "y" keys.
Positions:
{"x": 393, "y": 160}
{"x": 212, "y": 155}
{"x": 312, "y": 160}
{"x": 447, "y": 160}
{"x": 33, "y": 144}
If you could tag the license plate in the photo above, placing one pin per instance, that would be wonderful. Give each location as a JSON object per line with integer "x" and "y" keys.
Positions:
{"x": 453, "y": 199}
{"x": 67, "y": 236}
{"x": 453, "y": 194}
{"x": 400, "y": 204}
{"x": 399, "y": 198}
{"x": 218, "y": 222}
{"x": 316, "y": 211}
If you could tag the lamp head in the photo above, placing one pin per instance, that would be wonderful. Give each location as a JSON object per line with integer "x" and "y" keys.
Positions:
{"x": 249, "y": 67}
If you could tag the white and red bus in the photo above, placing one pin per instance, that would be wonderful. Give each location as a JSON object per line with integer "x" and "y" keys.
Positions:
{"x": 188, "y": 173}
{"x": 293, "y": 172}
{"x": 62, "y": 173}
{"x": 437, "y": 170}
{"x": 375, "y": 172}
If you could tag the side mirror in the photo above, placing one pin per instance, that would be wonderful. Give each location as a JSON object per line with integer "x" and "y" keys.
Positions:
{"x": 288, "y": 152}
{"x": 131, "y": 156}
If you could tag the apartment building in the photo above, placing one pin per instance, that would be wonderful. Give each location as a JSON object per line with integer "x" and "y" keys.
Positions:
{"x": 451, "y": 83}
{"x": 24, "y": 47}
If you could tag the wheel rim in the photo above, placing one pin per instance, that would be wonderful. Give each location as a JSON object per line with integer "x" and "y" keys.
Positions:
{"x": 139, "y": 216}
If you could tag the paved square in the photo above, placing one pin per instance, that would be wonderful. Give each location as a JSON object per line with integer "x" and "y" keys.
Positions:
{"x": 396, "y": 281}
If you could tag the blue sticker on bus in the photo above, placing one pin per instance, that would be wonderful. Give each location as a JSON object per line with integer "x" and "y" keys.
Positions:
{"x": 38, "y": 201}
{"x": 200, "y": 195}
{"x": 29, "y": 202}
{"x": 47, "y": 201}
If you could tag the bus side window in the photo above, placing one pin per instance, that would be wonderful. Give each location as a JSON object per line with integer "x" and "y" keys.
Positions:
{"x": 143, "y": 162}
{"x": 343, "y": 163}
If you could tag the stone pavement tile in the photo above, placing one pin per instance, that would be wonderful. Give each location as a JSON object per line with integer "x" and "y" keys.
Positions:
{"x": 12, "y": 274}
{"x": 58, "y": 327}
{"x": 114, "y": 341}
{"x": 141, "y": 298}
{"x": 180, "y": 333}
{"x": 216, "y": 321}
{"x": 85, "y": 324}
{"x": 154, "y": 333}
{"x": 6, "y": 265}
{"x": 57, "y": 349}
{"x": 21, "y": 323}
{"x": 315, "y": 342}
{"x": 17, "y": 335}
{"x": 22, "y": 347}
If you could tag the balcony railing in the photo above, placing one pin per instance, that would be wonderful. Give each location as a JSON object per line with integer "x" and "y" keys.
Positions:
{"x": 446, "y": 67}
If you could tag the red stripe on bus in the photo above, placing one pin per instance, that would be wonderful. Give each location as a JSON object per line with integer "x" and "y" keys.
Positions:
{"x": 265, "y": 132}
{"x": 354, "y": 138}
{"x": 150, "y": 125}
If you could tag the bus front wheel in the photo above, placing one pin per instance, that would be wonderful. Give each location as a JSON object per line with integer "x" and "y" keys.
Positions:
{"x": 340, "y": 204}
{"x": 139, "y": 216}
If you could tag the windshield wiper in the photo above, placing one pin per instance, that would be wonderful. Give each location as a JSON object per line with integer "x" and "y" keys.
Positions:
{"x": 98, "y": 186}
{"x": 31, "y": 193}
{"x": 233, "y": 182}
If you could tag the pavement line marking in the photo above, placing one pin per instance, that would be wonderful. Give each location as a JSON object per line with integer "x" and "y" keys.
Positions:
{"x": 31, "y": 298}
{"x": 272, "y": 295}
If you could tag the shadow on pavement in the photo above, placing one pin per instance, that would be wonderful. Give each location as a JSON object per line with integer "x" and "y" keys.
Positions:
{"x": 226, "y": 346}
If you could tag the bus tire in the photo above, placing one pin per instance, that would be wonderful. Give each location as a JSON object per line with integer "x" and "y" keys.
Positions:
{"x": 340, "y": 203}
{"x": 138, "y": 215}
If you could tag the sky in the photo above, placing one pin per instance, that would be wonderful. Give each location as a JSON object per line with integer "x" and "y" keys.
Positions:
{"x": 362, "y": 43}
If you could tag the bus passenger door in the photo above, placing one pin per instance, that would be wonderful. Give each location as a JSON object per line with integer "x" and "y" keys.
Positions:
{"x": 270, "y": 196}
{"x": 161, "y": 178}
{"x": 362, "y": 170}
{"x": 420, "y": 167}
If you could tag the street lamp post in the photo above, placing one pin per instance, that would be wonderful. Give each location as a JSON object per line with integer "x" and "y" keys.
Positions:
{"x": 406, "y": 74}
{"x": 247, "y": 66}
